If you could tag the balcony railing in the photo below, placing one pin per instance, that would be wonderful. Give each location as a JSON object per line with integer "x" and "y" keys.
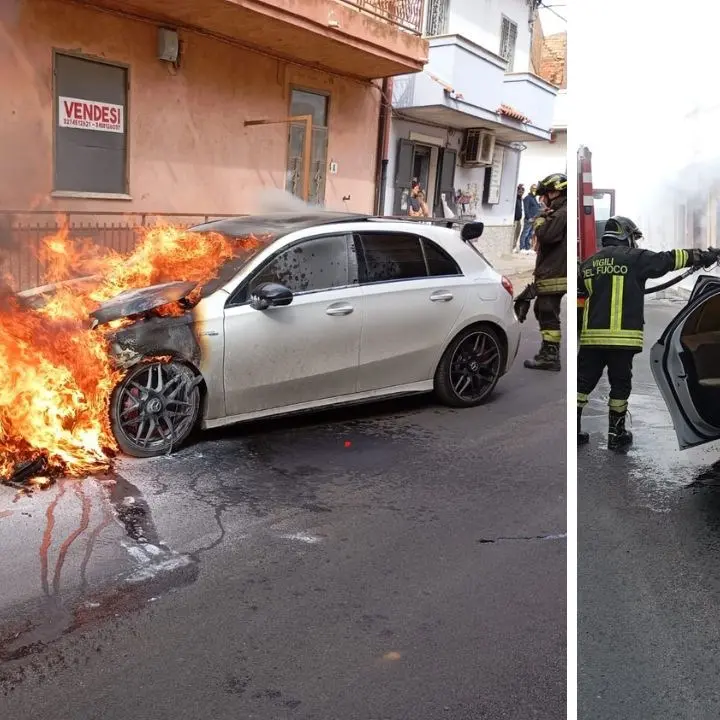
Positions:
{"x": 406, "y": 14}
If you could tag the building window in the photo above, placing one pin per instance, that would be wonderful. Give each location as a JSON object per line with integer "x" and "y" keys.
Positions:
{"x": 304, "y": 102}
{"x": 90, "y": 126}
{"x": 436, "y": 20}
{"x": 508, "y": 38}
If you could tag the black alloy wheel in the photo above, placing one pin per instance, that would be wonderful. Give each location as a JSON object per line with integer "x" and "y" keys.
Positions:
{"x": 470, "y": 367}
{"x": 154, "y": 408}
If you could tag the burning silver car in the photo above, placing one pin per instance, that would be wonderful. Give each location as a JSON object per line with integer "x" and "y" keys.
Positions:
{"x": 327, "y": 309}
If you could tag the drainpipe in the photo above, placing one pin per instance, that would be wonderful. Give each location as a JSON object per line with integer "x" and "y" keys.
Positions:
{"x": 383, "y": 142}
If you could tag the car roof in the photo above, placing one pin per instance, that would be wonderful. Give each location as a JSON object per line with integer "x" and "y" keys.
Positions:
{"x": 284, "y": 223}
{"x": 277, "y": 224}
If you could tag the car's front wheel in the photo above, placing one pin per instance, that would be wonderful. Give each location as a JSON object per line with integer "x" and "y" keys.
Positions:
{"x": 154, "y": 408}
{"x": 470, "y": 367}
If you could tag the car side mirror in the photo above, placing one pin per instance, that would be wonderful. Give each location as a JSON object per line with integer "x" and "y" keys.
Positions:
{"x": 270, "y": 295}
{"x": 472, "y": 231}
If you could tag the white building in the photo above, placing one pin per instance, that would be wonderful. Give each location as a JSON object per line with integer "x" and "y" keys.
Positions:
{"x": 543, "y": 157}
{"x": 461, "y": 124}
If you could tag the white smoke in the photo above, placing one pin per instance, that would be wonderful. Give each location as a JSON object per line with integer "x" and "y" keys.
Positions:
{"x": 274, "y": 200}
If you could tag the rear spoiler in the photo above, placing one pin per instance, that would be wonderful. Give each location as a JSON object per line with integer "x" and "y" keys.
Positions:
{"x": 469, "y": 229}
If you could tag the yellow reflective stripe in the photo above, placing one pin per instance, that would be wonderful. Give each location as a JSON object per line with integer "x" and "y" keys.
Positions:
{"x": 614, "y": 333}
{"x": 582, "y": 399}
{"x": 552, "y": 285}
{"x": 553, "y": 336}
{"x": 610, "y": 341}
{"x": 618, "y": 405}
{"x": 586, "y": 312}
{"x": 681, "y": 259}
{"x": 616, "y": 303}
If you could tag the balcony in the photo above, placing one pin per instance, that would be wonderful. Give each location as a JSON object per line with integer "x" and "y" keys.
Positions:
{"x": 532, "y": 96}
{"x": 362, "y": 38}
{"x": 465, "y": 85}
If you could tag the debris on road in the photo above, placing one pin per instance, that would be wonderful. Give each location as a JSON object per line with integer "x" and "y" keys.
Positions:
{"x": 29, "y": 474}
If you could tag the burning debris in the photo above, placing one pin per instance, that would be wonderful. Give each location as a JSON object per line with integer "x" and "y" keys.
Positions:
{"x": 28, "y": 475}
{"x": 59, "y": 368}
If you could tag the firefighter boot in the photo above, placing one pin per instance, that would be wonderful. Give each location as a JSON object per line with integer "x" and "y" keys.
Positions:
{"x": 618, "y": 436}
{"x": 583, "y": 436}
{"x": 547, "y": 359}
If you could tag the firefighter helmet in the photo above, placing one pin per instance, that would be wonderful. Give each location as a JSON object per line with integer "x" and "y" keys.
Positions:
{"x": 621, "y": 229}
{"x": 557, "y": 182}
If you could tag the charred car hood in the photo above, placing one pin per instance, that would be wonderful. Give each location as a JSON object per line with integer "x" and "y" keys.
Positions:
{"x": 36, "y": 297}
{"x": 137, "y": 302}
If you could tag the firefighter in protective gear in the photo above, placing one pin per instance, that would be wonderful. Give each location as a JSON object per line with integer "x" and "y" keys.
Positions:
{"x": 550, "y": 229}
{"x": 611, "y": 289}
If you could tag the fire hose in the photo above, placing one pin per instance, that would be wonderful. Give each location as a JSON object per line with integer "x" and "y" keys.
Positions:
{"x": 673, "y": 281}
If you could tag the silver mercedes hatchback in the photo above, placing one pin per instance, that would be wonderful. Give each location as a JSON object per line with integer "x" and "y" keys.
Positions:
{"x": 322, "y": 309}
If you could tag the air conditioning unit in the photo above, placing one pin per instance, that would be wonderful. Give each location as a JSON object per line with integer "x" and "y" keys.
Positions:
{"x": 478, "y": 147}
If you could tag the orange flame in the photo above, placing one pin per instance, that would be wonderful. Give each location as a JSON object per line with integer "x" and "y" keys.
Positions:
{"x": 57, "y": 373}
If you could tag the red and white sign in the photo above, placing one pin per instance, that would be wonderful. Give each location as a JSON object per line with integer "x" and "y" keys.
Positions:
{"x": 90, "y": 115}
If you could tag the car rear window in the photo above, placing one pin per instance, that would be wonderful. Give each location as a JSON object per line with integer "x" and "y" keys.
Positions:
{"x": 388, "y": 256}
{"x": 439, "y": 263}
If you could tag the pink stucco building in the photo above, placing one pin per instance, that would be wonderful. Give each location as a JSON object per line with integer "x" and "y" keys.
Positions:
{"x": 94, "y": 120}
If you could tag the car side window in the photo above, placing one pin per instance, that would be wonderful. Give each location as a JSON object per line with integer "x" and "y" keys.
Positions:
{"x": 388, "y": 256}
{"x": 320, "y": 263}
{"x": 439, "y": 263}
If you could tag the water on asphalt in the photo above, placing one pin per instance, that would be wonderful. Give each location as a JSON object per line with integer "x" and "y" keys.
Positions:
{"x": 392, "y": 561}
{"x": 648, "y": 562}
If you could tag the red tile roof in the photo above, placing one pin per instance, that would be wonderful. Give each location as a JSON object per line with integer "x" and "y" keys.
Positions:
{"x": 511, "y": 112}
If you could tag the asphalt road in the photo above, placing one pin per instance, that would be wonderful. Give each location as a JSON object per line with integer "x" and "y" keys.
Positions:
{"x": 649, "y": 563}
{"x": 399, "y": 561}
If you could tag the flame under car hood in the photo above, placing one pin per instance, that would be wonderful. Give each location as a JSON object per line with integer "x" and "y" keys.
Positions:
{"x": 131, "y": 302}
{"x": 137, "y": 302}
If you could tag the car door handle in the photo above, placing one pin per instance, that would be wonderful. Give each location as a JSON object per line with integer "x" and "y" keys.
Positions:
{"x": 441, "y": 296}
{"x": 340, "y": 309}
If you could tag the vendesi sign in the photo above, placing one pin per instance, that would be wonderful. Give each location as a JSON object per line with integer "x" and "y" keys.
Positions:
{"x": 90, "y": 115}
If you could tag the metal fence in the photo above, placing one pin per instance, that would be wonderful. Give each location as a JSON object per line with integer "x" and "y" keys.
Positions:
{"x": 22, "y": 233}
{"x": 407, "y": 14}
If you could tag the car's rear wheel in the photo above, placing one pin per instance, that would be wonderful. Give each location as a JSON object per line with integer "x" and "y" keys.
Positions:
{"x": 154, "y": 408}
{"x": 470, "y": 367}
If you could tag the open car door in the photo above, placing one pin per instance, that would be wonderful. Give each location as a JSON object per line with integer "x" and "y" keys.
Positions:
{"x": 685, "y": 363}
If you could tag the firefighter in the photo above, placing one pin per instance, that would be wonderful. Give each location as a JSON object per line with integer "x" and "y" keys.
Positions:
{"x": 612, "y": 285}
{"x": 550, "y": 229}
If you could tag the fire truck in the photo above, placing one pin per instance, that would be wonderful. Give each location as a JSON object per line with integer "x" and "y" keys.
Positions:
{"x": 594, "y": 207}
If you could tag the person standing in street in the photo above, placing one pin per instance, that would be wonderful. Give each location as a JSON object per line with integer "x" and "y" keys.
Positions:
{"x": 611, "y": 291}
{"x": 531, "y": 208}
{"x": 518, "y": 217}
{"x": 550, "y": 228}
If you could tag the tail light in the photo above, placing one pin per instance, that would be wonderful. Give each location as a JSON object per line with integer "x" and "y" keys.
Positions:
{"x": 507, "y": 285}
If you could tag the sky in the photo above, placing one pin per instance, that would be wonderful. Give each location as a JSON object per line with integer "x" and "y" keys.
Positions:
{"x": 636, "y": 68}
{"x": 553, "y": 16}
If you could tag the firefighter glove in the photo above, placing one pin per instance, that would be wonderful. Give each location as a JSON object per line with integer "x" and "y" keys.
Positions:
{"x": 705, "y": 258}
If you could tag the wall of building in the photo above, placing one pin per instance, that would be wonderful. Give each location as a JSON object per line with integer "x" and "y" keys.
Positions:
{"x": 537, "y": 42}
{"x": 497, "y": 218}
{"x": 481, "y": 22}
{"x": 404, "y": 129}
{"x": 543, "y": 158}
{"x": 188, "y": 148}
{"x": 497, "y": 238}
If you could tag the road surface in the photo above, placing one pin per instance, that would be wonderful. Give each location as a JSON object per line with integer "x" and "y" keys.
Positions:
{"x": 396, "y": 561}
{"x": 649, "y": 563}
